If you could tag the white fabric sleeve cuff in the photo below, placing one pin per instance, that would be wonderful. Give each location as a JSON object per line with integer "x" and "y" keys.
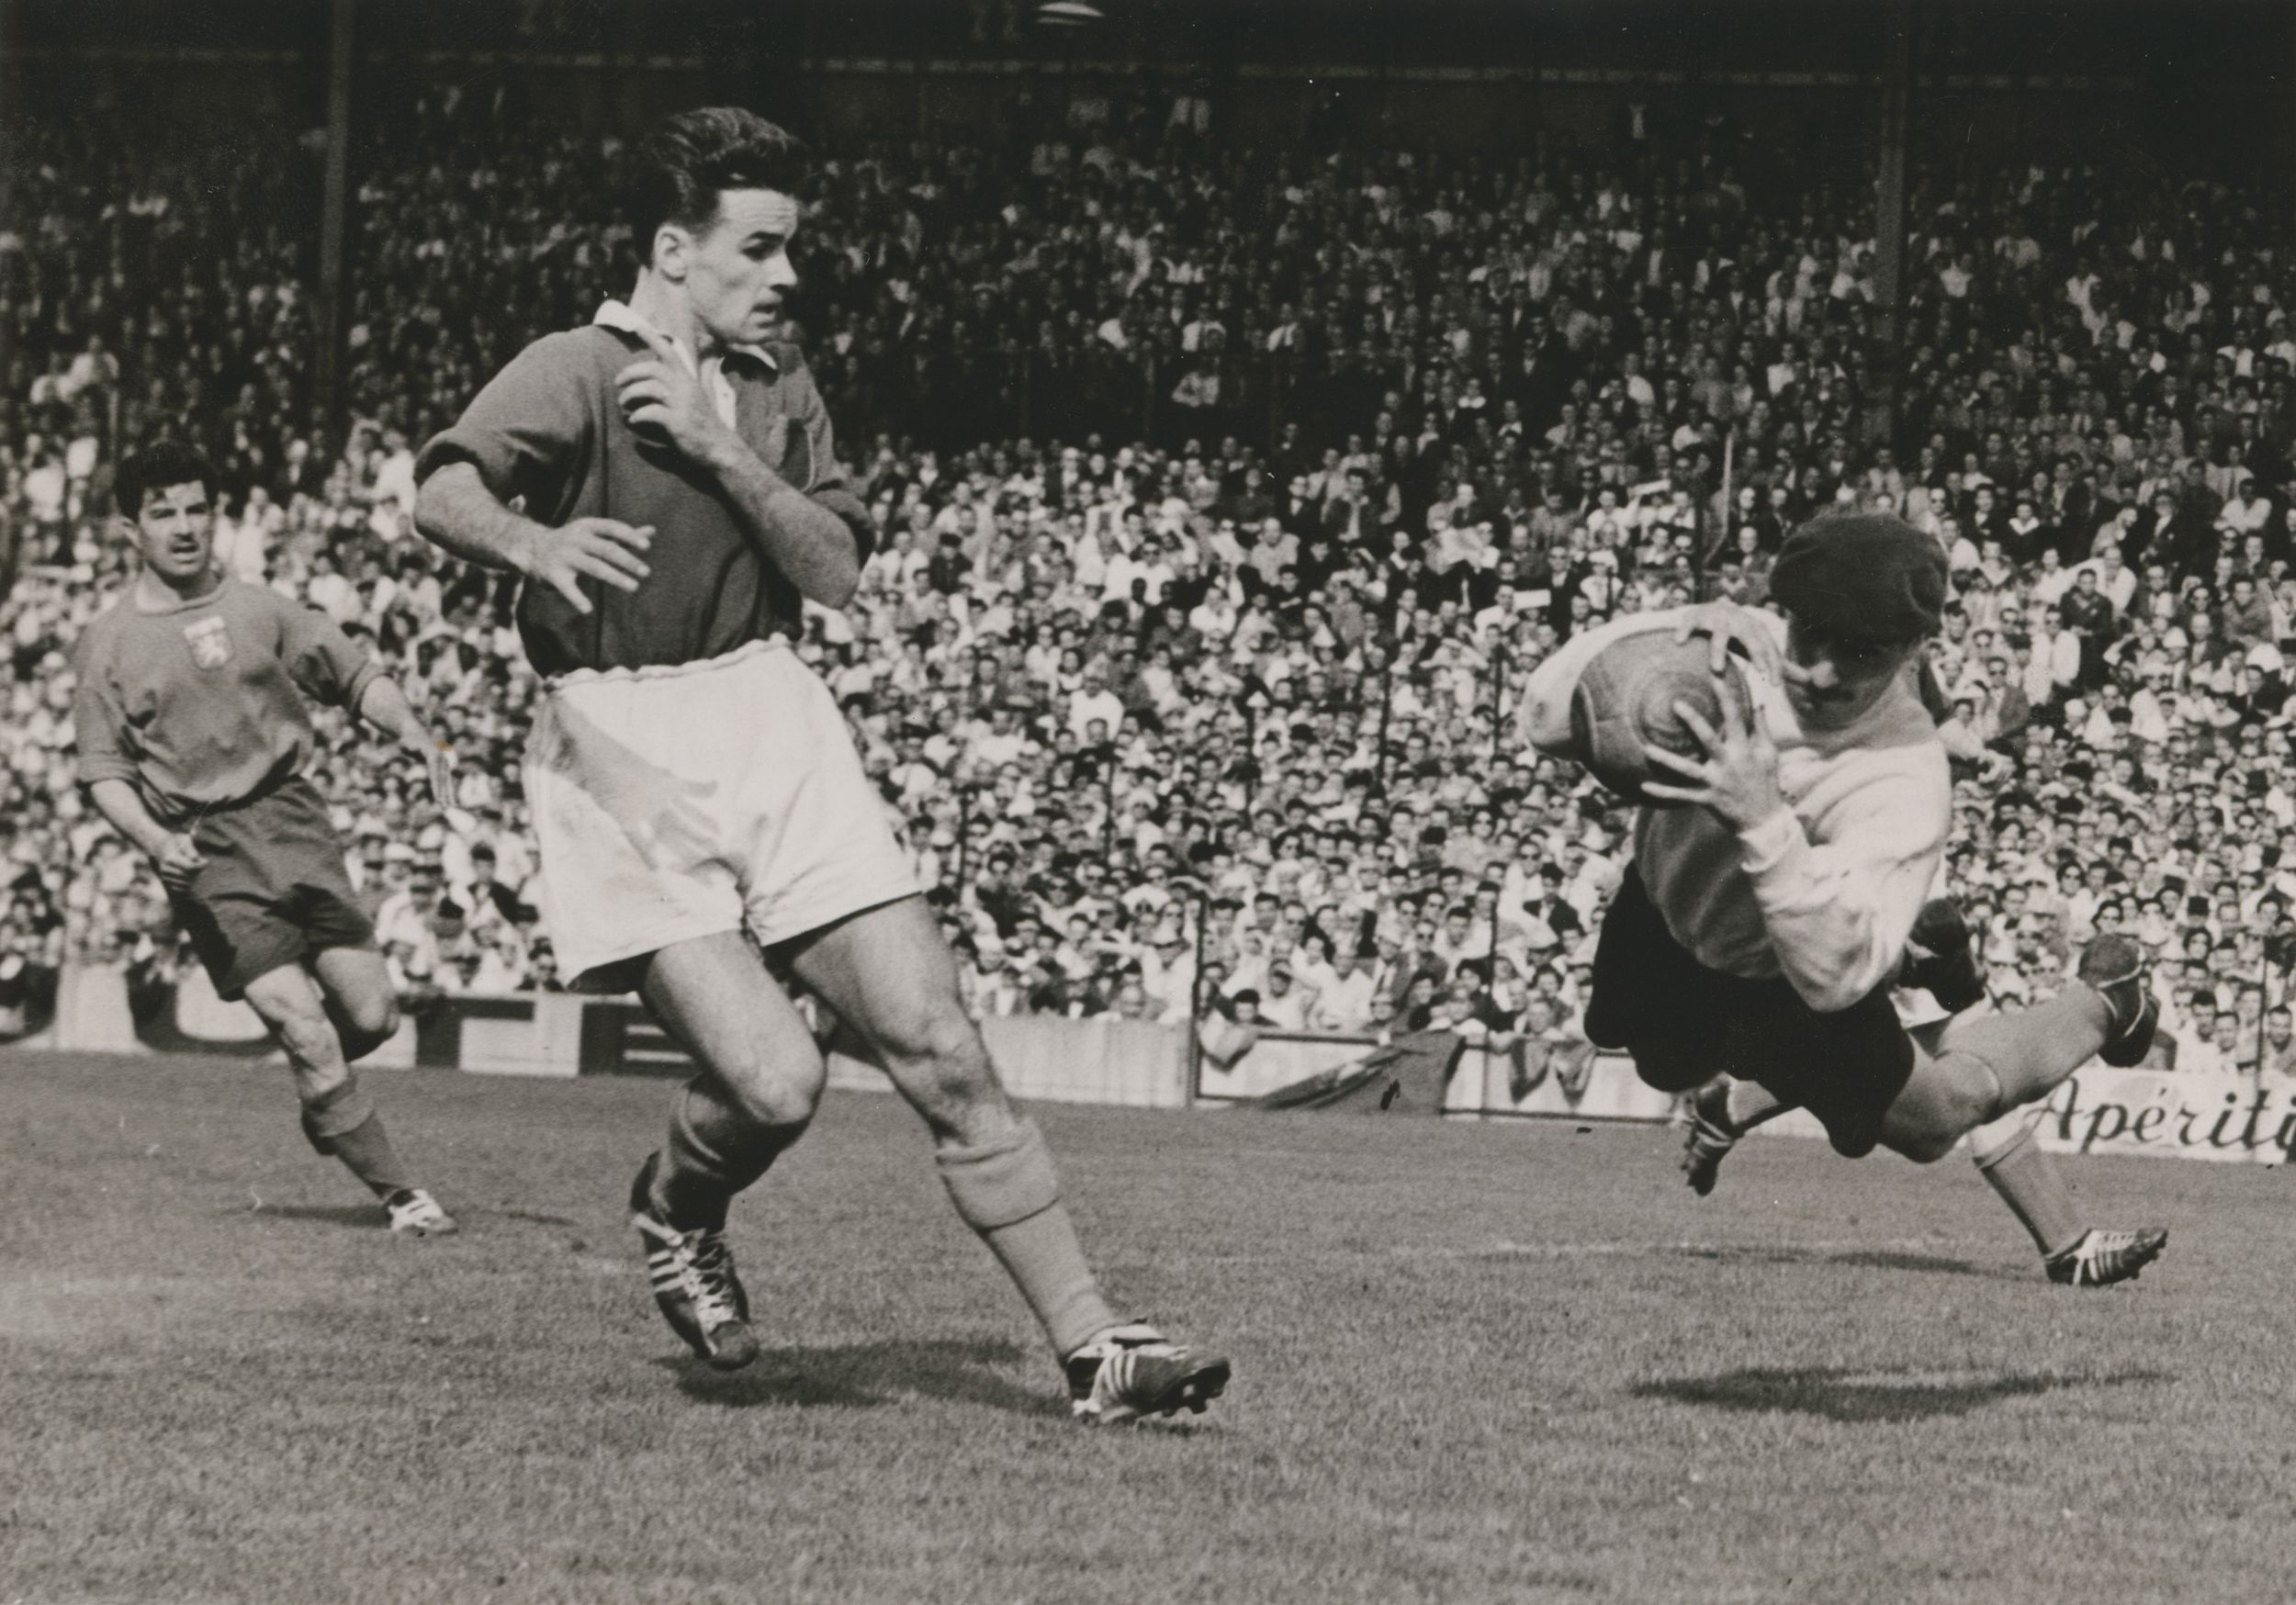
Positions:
{"x": 1763, "y": 844}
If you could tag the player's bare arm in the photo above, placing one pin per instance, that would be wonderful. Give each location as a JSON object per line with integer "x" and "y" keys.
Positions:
{"x": 173, "y": 851}
{"x": 454, "y": 509}
{"x": 386, "y": 707}
{"x": 807, "y": 542}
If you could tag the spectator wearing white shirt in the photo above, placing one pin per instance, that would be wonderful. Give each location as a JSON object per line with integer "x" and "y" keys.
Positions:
{"x": 1093, "y": 700}
{"x": 1284, "y": 1004}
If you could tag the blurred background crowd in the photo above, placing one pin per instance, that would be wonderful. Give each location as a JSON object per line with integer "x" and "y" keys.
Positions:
{"x": 1228, "y": 494}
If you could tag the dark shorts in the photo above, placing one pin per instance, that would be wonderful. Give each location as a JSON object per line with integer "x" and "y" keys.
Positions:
{"x": 1684, "y": 1024}
{"x": 274, "y": 891}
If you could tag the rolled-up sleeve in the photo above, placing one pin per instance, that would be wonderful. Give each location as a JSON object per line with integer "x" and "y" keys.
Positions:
{"x": 1839, "y": 914}
{"x": 819, "y": 474}
{"x": 320, "y": 658}
{"x": 98, "y": 723}
{"x": 526, "y": 431}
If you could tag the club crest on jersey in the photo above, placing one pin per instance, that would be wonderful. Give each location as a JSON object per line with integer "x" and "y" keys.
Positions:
{"x": 210, "y": 642}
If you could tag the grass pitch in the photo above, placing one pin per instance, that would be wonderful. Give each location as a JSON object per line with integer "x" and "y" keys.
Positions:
{"x": 1472, "y": 1363}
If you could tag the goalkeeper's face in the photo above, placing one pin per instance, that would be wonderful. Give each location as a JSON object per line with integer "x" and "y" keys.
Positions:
{"x": 737, "y": 269}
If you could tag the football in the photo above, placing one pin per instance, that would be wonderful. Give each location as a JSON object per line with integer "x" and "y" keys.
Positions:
{"x": 1625, "y": 699}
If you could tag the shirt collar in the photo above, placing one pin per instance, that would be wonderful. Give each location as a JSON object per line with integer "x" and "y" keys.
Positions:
{"x": 614, "y": 314}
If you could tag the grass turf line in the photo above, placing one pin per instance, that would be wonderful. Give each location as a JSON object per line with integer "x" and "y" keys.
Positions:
{"x": 1472, "y": 1364}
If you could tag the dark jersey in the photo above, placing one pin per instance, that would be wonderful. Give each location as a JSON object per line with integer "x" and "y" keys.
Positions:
{"x": 549, "y": 432}
{"x": 200, "y": 705}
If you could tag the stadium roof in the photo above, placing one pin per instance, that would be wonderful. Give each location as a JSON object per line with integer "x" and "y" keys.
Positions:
{"x": 2247, "y": 41}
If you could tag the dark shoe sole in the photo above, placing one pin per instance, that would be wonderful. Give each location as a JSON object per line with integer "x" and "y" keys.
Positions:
{"x": 1701, "y": 1167}
{"x": 1955, "y": 983}
{"x": 2131, "y": 1046}
{"x": 735, "y": 1346}
{"x": 733, "y": 1349}
{"x": 1949, "y": 972}
{"x": 1193, "y": 1391}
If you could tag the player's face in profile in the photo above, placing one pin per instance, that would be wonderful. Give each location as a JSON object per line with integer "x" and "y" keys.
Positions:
{"x": 1846, "y": 677}
{"x": 737, "y": 269}
{"x": 175, "y": 532}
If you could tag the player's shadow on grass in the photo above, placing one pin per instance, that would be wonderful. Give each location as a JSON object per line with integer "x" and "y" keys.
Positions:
{"x": 1860, "y": 1259}
{"x": 867, "y": 1375}
{"x": 1842, "y": 1393}
{"x": 365, "y": 1217}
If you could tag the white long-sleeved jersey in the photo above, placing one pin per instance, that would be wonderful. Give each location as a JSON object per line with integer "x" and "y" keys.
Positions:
{"x": 1825, "y": 890}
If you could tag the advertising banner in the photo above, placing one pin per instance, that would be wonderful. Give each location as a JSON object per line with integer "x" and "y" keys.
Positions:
{"x": 2158, "y": 1114}
{"x": 2240, "y": 1119}
{"x": 2247, "y": 1120}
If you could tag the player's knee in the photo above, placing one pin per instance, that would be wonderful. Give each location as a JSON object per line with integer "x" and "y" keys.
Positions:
{"x": 772, "y": 1089}
{"x": 939, "y": 1043}
{"x": 1935, "y": 1131}
{"x": 789, "y": 1098}
{"x": 1924, "y": 1147}
{"x": 367, "y": 1026}
{"x": 949, "y": 1077}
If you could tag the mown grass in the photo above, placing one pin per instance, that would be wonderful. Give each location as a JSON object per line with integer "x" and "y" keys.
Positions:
{"x": 1473, "y": 1364}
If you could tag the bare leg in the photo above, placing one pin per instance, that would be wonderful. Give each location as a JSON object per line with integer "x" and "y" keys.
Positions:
{"x": 361, "y": 1005}
{"x": 888, "y": 974}
{"x": 1986, "y": 1065}
{"x": 760, "y": 1080}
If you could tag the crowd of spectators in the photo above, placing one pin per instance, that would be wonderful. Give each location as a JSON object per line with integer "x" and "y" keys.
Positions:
{"x": 1228, "y": 496}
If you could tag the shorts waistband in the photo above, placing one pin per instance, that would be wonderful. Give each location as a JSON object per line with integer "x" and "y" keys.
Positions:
{"x": 624, "y": 676}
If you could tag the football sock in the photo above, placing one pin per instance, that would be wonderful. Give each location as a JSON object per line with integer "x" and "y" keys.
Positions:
{"x": 366, "y": 1153}
{"x": 715, "y": 1150}
{"x": 342, "y": 1124}
{"x": 2012, "y": 1159}
{"x": 1749, "y": 1103}
{"x": 1008, "y": 1191}
{"x": 2032, "y": 1050}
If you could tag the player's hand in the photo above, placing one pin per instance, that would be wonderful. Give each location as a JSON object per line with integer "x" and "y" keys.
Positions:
{"x": 661, "y": 396}
{"x": 179, "y": 859}
{"x": 589, "y": 548}
{"x": 1739, "y": 776}
{"x": 1728, "y": 625}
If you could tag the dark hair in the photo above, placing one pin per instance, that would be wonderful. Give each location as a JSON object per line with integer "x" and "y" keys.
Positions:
{"x": 155, "y": 467}
{"x": 687, "y": 162}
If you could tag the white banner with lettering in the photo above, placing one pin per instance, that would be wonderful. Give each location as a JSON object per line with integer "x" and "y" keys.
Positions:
{"x": 2243, "y": 1119}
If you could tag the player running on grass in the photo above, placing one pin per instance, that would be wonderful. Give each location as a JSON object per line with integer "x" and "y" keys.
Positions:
{"x": 1761, "y": 928}
{"x": 692, "y": 784}
{"x": 192, "y": 740}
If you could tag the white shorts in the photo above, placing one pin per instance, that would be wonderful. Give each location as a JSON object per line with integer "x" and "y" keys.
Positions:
{"x": 681, "y": 801}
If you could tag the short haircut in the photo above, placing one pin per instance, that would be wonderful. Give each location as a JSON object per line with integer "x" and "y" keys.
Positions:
{"x": 158, "y": 465}
{"x": 690, "y": 159}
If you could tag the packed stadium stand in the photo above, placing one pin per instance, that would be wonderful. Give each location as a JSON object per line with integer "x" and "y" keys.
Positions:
{"x": 1229, "y": 490}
